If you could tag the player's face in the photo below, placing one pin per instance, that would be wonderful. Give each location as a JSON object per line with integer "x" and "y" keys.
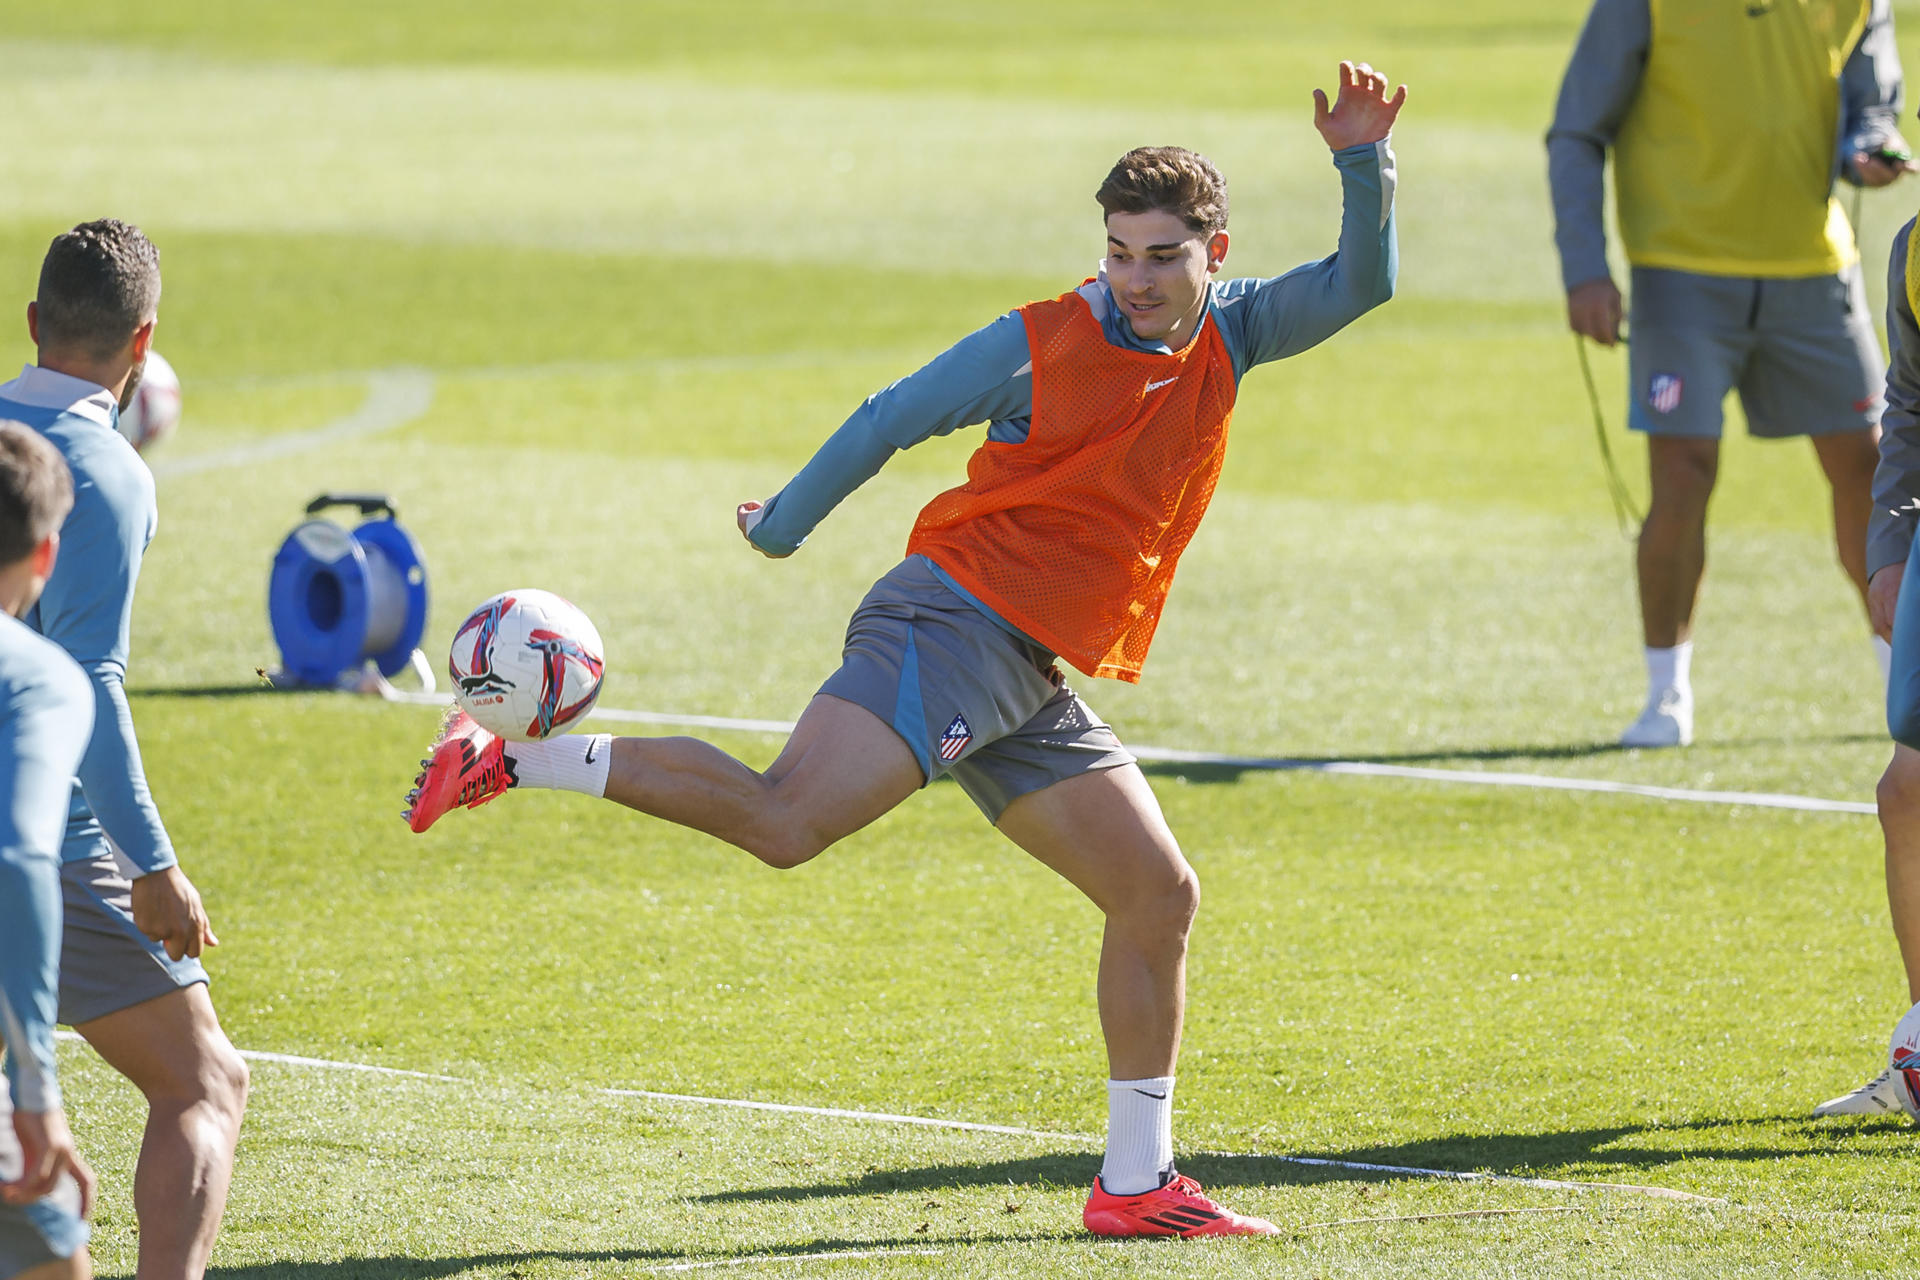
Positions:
{"x": 1158, "y": 268}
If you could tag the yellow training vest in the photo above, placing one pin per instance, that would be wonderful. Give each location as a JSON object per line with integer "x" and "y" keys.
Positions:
{"x": 1724, "y": 164}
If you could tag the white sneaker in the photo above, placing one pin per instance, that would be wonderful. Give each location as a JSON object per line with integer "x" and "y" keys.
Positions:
{"x": 1667, "y": 722}
{"x": 1877, "y": 1097}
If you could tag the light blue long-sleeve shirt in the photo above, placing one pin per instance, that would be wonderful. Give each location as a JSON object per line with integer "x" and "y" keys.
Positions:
{"x": 87, "y": 608}
{"x": 46, "y": 716}
{"x": 988, "y": 375}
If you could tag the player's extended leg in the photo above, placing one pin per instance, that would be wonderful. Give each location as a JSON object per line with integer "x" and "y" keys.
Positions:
{"x": 195, "y": 1084}
{"x": 842, "y": 767}
{"x": 1671, "y": 560}
{"x": 1105, "y": 834}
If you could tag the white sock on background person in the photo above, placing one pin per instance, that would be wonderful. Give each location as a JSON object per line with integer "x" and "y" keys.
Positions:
{"x": 1883, "y": 654}
{"x": 1139, "y": 1136}
{"x": 572, "y": 762}
{"x": 1669, "y": 669}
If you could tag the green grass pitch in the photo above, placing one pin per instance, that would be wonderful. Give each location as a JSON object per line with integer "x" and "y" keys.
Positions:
{"x": 642, "y": 258}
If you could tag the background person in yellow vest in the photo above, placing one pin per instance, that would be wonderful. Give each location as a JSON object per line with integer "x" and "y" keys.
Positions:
{"x": 1896, "y": 617}
{"x": 1729, "y": 122}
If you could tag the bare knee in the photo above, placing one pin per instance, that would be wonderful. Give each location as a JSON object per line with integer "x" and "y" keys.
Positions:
{"x": 1683, "y": 471}
{"x": 214, "y": 1077}
{"x": 1898, "y": 794}
{"x": 1162, "y": 910}
{"x": 785, "y": 847}
{"x": 220, "y": 1082}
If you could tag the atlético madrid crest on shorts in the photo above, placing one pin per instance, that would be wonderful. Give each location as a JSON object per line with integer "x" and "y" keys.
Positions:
{"x": 1663, "y": 393}
{"x": 955, "y": 739}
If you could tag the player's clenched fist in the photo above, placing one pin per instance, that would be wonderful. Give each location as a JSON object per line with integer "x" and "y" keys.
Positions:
{"x": 748, "y": 516}
{"x": 1362, "y": 113}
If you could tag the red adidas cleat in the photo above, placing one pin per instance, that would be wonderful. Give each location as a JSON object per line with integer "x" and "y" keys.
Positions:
{"x": 468, "y": 767}
{"x": 1180, "y": 1208}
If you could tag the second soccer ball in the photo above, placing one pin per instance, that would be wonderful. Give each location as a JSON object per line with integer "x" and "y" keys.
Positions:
{"x": 526, "y": 665}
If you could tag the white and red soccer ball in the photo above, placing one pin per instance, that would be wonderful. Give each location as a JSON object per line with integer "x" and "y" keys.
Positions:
{"x": 154, "y": 411}
{"x": 1903, "y": 1058}
{"x": 526, "y": 665}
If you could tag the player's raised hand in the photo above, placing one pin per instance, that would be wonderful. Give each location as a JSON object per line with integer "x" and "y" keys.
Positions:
{"x": 1362, "y": 112}
{"x": 167, "y": 908}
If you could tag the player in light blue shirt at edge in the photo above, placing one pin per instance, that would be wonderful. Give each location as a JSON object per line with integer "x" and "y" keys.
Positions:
{"x": 46, "y": 715}
{"x": 131, "y": 982}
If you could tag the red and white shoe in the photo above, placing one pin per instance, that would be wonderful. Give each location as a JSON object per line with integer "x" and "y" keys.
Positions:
{"x": 1180, "y": 1208}
{"x": 468, "y": 767}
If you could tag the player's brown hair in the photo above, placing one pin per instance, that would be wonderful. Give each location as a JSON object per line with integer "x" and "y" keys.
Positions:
{"x": 36, "y": 491}
{"x": 1168, "y": 180}
{"x": 98, "y": 284}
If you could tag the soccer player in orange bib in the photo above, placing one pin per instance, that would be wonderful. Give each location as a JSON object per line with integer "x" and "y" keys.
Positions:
{"x": 1107, "y": 412}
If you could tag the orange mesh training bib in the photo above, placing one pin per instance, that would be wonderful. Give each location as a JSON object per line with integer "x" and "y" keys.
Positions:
{"x": 1072, "y": 535}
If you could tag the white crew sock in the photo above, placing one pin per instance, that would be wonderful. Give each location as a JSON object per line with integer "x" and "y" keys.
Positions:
{"x": 1669, "y": 669}
{"x": 1883, "y": 654}
{"x": 572, "y": 762}
{"x": 1139, "y": 1135}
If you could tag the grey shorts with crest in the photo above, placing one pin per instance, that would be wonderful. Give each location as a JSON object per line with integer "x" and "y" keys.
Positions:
{"x": 968, "y": 697}
{"x": 1800, "y": 351}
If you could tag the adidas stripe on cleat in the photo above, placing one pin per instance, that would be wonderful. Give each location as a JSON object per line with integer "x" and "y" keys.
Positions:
{"x": 1180, "y": 1208}
{"x": 467, "y": 767}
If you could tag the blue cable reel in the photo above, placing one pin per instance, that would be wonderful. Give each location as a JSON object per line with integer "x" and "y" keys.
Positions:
{"x": 339, "y": 598}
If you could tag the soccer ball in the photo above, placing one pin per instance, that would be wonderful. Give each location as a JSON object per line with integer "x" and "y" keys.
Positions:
{"x": 526, "y": 665}
{"x": 1903, "y": 1056}
{"x": 155, "y": 408}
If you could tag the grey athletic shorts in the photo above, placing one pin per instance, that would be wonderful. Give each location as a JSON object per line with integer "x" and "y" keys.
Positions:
{"x": 1801, "y": 352}
{"x": 106, "y": 963}
{"x": 38, "y": 1233}
{"x": 969, "y": 697}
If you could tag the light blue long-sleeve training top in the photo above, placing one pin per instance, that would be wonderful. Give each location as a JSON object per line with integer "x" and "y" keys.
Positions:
{"x": 87, "y": 608}
{"x": 988, "y": 375}
{"x": 46, "y": 716}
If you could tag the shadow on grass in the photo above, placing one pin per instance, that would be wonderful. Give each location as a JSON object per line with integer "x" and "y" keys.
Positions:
{"x": 397, "y": 1268}
{"x": 213, "y": 690}
{"x": 1233, "y": 769}
{"x": 1582, "y": 1155}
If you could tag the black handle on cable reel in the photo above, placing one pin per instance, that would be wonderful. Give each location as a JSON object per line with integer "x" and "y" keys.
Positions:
{"x": 369, "y": 504}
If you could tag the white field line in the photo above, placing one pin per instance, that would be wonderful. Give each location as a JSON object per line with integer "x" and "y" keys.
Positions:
{"x": 770, "y": 1259}
{"x": 1282, "y": 764}
{"x": 838, "y": 1113}
{"x": 1436, "y": 1217}
{"x": 395, "y": 397}
{"x": 999, "y": 1130}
